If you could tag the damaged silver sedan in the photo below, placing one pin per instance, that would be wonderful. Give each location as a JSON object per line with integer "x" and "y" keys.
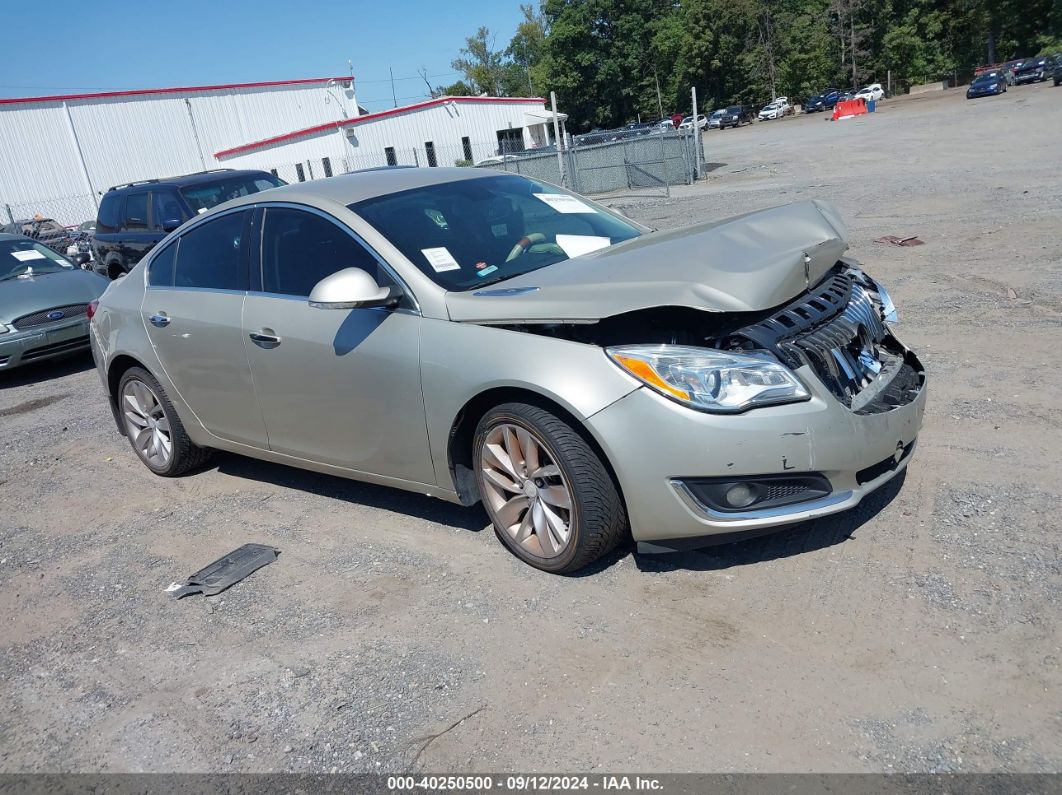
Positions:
{"x": 479, "y": 336}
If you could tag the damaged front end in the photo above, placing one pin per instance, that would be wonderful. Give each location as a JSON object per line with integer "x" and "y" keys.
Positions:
{"x": 838, "y": 328}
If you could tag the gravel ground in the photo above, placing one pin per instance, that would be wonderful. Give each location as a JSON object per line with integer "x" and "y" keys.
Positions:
{"x": 919, "y": 632}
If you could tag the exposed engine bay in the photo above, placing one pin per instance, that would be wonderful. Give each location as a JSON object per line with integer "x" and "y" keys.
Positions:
{"x": 837, "y": 328}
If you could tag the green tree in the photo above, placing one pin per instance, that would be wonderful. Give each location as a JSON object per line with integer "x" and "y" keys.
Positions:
{"x": 483, "y": 66}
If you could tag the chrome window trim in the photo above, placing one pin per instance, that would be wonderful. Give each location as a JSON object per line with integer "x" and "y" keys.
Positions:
{"x": 175, "y": 288}
{"x": 266, "y": 206}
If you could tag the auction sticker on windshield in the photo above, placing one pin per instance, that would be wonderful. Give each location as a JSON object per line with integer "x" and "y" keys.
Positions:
{"x": 563, "y": 203}
{"x": 577, "y": 245}
{"x": 440, "y": 259}
{"x": 23, "y": 256}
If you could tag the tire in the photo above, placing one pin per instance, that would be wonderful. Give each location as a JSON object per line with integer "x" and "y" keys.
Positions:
{"x": 145, "y": 408}
{"x": 569, "y": 470}
{"x": 114, "y": 270}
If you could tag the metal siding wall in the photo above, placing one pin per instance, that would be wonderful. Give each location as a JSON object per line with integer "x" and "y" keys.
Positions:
{"x": 147, "y": 135}
{"x": 37, "y": 156}
{"x": 135, "y": 138}
{"x": 443, "y": 125}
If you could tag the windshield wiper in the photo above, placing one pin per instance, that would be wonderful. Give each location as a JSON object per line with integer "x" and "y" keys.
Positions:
{"x": 495, "y": 280}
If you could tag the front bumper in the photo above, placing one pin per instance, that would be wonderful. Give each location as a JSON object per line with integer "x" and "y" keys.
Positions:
{"x": 655, "y": 444}
{"x": 43, "y": 342}
{"x": 1029, "y": 78}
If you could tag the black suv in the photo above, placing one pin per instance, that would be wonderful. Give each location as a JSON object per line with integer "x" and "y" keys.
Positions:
{"x": 134, "y": 217}
{"x": 736, "y": 115}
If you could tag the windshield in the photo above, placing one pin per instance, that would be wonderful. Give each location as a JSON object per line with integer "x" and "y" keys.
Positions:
{"x": 472, "y": 232}
{"x": 204, "y": 195}
{"x": 26, "y": 258}
{"x": 982, "y": 79}
{"x": 718, "y": 114}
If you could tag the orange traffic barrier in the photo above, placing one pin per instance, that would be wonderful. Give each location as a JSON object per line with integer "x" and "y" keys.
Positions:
{"x": 850, "y": 107}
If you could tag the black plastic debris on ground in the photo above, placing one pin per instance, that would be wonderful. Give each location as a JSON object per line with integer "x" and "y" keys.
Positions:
{"x": 892, "y": 240}
{"x": 226, "y": 571}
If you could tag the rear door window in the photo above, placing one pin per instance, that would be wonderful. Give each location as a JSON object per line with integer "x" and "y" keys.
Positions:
{"x": 136, "y": 212}
{"x": 160, "y": 269}
{"x": 210, "y": 256}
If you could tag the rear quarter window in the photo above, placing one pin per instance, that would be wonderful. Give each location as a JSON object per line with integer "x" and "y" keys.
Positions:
{"x": 110, "y": 213}
{"x": 160, "y": 269}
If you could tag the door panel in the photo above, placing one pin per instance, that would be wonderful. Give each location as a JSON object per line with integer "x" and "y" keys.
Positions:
{"x": 201, "y": 349}
{"x": 340, "y": 387}
{"x": 193, "y": 312}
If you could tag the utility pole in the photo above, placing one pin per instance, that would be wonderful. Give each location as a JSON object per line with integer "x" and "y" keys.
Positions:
{"x": 557, "y": 136}
{"x": 659, "y": 102}
{"x": 852, "y": 43}
{"x": 393, "y": 95}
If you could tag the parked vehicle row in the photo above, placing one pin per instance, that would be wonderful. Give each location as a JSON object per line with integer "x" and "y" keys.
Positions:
{"x": 993, "y": 81}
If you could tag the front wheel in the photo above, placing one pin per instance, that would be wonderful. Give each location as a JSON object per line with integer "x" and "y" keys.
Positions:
{"x": 153, "y": 428}
{"x": 551, "y": 499}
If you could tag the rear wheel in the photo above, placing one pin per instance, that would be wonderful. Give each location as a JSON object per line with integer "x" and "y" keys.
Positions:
{"x": 551, "y": 499}
{"x": 153, "y": 428}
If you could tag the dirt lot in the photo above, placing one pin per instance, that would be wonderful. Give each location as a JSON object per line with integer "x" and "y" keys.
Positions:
{"x": 917, "y": 633}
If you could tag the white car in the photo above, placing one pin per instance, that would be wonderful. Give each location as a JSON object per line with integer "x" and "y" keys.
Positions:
{"x": 874, "y": 91}
{"x": 776, "y": 110}
{"x": 687, "y": 123}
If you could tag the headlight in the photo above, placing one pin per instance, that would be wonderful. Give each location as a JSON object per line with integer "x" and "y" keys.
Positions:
{"x": 710, "y": 380}
{"x": 4, "y": 329}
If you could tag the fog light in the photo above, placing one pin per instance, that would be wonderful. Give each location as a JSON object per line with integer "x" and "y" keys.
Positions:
{"x": 740, "y": 496}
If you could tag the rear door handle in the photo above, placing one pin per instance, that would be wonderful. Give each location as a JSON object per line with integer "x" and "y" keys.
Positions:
{"x": 159, "y": 320}
{"x": 265, "y": 338}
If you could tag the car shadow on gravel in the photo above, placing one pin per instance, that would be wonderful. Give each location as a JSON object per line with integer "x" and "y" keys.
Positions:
{"x": 50, "y": 370}
{"x": 786, "y": 542}
{"x": 389, "y": 499}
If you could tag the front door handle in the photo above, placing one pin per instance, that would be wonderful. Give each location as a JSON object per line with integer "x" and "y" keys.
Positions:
{"x": 265, "y": 338}
{"x": 159, "y": 320}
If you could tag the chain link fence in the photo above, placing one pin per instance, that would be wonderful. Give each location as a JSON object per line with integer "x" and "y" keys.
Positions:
{"x": 66, "y": 210}
{"x": 655, "y": 161}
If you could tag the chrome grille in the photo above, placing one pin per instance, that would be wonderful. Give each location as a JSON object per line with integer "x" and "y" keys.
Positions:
{"x": 836, "y": 329}
{"x": 845, "y": 349}
{"x": 42, "y": 317}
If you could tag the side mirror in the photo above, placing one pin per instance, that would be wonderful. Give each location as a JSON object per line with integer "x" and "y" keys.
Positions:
{"x": 81, "y": 259}
{"x": 352, "y": 288}
{"x": 170, "y": 224}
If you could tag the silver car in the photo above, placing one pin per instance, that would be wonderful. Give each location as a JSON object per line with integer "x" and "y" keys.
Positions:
{"x": 479, "y": 336}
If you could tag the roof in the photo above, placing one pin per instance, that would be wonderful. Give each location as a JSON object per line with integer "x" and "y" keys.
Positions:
{"x": 136, "y": 92}
{"x": 191, "y": 179}
{"x": 383, "y": 114}
{"x": 350, "y": 188}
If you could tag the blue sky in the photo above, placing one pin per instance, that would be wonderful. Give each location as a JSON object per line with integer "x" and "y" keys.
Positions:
{"x": 81, "y": 46}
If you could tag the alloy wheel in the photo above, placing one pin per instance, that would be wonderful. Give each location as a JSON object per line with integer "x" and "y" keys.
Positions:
{"x": 147, "y": 424}
{"x": 524, "y": 490}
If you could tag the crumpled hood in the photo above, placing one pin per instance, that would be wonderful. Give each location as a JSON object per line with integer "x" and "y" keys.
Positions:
{"x": 20, "y": 297}
{"x": 746, "y": 263}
